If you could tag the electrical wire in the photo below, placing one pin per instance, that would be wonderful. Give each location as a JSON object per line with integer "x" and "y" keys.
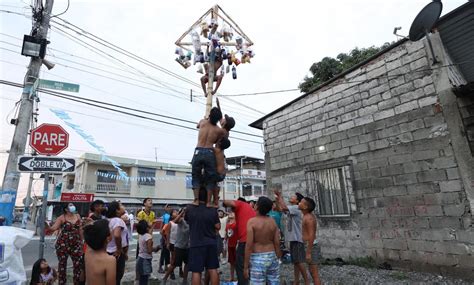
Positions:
{"x": 67, "y": 8}
{"x": 260, "y": 93}
{"x": 136, "y": 110}
{"x": 68, "y": 97}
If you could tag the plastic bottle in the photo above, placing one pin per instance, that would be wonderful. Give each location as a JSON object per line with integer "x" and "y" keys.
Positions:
{"x": 234, "y": 72}
{"x": 196, "y": 41}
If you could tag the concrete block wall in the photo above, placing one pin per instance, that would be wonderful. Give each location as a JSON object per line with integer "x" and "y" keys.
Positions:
{"x": 385, "y": 118}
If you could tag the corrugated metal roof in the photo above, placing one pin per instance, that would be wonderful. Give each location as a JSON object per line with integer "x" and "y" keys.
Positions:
{"x": 457, "y": 32}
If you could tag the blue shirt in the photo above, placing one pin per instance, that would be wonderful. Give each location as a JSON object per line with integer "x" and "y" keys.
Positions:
{"x": 202, "y": 221}
{"x": 276, "y": 216}
{"x": 166, "y": 218}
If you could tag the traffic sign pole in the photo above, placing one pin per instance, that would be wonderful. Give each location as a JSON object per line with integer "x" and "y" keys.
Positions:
{"x": 43, "y": 214}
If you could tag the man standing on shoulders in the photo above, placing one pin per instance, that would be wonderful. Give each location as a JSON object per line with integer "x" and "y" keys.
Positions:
{"x": 262, "y": 249}
{"x": 294, "y": 232}
{"x": 243, "y": 213}
{"x": 312, "y": 248}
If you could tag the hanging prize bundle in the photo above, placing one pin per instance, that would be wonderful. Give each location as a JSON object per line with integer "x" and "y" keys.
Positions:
{"x": 229, "y": 50}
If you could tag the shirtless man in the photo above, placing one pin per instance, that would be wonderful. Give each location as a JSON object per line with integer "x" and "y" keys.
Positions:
{"x": 312, "y": 249}
{"x": 217, "y": 78}
{"x": 262, "y": 249}
{"x": 100, "y": 266}
{"x": 222, "y": 145}
{"x": 227, "y": 122}
{"x": 204, "y": 158}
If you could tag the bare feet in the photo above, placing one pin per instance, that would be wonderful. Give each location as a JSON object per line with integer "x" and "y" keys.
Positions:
{"x": 209, "y": 205}
{"x": 196, "y": 202}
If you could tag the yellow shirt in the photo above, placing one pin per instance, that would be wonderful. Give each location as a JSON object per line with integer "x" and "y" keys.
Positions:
{"x": 150, "y": 218}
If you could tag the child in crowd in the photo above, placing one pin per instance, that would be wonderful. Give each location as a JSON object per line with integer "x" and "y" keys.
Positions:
{"x": 42, "y": 273}
{"x": 311, "y": 247}
{"x": 232, "y": 237}
{"x": 145, "y": 240}
{"x": 181, "y": 246}
{"x": 100, "y": 266}
{"x": 262, "y": 249}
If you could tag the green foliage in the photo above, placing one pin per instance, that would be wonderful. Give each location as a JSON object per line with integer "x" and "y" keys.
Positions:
{"x": 329, "y": 67}
{"x": 367, "y": 262}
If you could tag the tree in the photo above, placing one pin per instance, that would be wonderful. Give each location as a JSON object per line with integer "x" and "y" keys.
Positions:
{"x": 329, "y": 67}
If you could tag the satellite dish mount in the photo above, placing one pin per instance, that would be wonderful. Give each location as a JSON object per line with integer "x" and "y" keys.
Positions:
{"x": 425, "y": 22}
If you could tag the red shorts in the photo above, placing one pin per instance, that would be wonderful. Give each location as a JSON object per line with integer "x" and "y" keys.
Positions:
{"x": 231, "y": 256}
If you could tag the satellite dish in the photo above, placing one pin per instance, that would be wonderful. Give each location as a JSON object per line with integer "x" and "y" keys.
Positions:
{"x": 425, "y": 20}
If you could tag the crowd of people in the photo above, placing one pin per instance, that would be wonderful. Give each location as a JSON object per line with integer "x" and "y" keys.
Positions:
{"x": 195, "y": 238}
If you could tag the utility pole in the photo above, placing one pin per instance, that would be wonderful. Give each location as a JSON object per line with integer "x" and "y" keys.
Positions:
{"x": 26, "y": 211}
{"x": 156, "y": 154}
{"x": 212, "y": 71}
{"x": 12, "y": 176}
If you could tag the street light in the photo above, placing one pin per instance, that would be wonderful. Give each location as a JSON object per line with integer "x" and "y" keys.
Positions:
{"x": 33, "y": 47}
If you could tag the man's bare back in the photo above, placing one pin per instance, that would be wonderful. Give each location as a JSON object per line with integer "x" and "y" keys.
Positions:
{"x": 100, "y": 267}
{"x": 265, "y": 234}
{"x": 209, "y": 134}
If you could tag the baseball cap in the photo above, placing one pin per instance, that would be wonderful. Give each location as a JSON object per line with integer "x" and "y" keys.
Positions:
{"x": 230, "y": 122}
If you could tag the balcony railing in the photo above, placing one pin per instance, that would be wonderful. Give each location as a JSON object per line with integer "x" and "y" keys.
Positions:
{"x": 112, "y": 188}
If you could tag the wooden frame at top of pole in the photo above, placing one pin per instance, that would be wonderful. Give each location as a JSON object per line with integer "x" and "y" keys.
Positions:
{"x": 215, "y": 13}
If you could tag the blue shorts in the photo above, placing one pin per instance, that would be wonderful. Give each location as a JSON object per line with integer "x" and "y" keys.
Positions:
{"x": 203, "y": 257}
{"x": 204, "y": 158}
{"x": 264, "y": 268}
{"x": 143, "y": 266}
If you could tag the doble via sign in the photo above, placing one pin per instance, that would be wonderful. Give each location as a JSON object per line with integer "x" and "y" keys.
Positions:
{"x": 46, "y": 164}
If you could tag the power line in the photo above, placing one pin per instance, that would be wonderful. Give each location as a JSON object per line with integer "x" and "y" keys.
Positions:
{"x": 260, "y": 93}
{"x": 68, "y": 97}
{"x": 137, "y": 110}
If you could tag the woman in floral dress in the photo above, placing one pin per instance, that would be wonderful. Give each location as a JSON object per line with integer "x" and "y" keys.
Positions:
{"x": 69, "y": 243}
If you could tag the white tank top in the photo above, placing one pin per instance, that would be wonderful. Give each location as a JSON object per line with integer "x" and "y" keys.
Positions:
{"x": 173, "y": 232}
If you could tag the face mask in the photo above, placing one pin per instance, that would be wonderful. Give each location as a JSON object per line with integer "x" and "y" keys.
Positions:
{"x": 72, "y": 209}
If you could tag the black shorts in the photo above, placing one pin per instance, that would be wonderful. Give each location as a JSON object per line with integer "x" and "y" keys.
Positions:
{"x": 204, "y": 158}
{"x": 181, "y": 256}
{"x": 171, "y": 248}
{"x": 297, "y": 252}
{"x": 203, "y": 257}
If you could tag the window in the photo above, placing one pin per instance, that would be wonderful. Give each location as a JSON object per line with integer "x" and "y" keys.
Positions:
{"x": 259, "y": 173}
{"x": 257, "y": 190}
{"x": 146, "y": 176}
{"x": 189, "y": 182}
{"x": 106, "y": 176}
{"x": 231, "y": 187}
{"x": 332, "y": 190}
{"x": 170, "y": 173}
{"x": 246, "y": 189}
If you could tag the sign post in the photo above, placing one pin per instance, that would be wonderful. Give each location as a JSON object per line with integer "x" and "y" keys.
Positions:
{"x": 47, "y": 139}
{"x": 42, "y": 219}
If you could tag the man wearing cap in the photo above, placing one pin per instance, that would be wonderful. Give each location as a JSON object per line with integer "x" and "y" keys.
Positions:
{"x": 227, "y": 122}
{"x": 294, "y": 231}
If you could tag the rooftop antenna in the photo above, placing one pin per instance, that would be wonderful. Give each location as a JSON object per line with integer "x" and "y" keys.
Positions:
{"x": 424, "y": 23}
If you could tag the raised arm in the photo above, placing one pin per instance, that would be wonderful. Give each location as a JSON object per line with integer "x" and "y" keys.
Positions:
{"x": 281, "y": 205}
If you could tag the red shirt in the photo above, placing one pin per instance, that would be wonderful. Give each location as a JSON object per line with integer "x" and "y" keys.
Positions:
{"x": 231, "y": 232}
{"x": 243, "y": 213}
